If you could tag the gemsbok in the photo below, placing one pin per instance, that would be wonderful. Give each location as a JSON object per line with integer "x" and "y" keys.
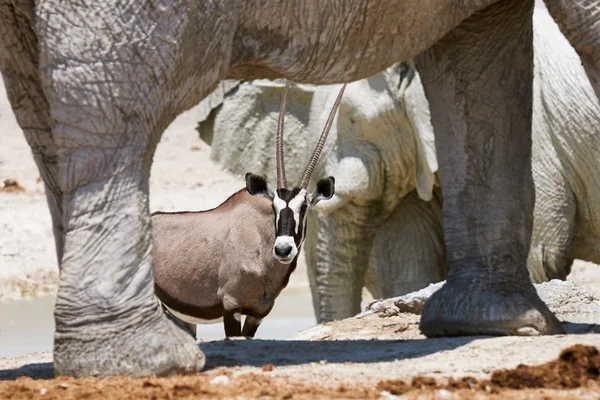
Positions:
{"x": 235, "y": 259}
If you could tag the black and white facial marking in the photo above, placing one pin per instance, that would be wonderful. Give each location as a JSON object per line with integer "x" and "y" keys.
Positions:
{"x": 290, "y": 222}
{"x": 290, "y": 206}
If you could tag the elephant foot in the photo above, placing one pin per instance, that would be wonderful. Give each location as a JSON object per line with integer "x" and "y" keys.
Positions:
{"x": 459, "y": 310}
{"x": 156, "y": 346}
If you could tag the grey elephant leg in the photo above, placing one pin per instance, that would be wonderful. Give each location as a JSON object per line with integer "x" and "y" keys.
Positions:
{"x": 478, "y": 80}
{"x": 408, "y": 249}
{"x": 107, "y": 117}
{"x": 26, "y": 96}
{"x": 108, "y": 320}
{"x": 579, "y": 21}
{"x": 342, "y": 258}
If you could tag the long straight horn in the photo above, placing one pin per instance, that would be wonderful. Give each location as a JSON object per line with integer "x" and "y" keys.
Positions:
{"x": 281, "y": 182}
{"x": 321, "y": 143}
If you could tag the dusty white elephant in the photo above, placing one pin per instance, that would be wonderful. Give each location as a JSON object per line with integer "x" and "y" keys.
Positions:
{"x": 94, "y": 84}
{"x": 565, "y": 160}
{"x": 386, "y": 213}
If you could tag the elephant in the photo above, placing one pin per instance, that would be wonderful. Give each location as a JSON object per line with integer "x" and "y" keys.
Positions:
{"x": 387, "y": 209}
{"x": 94, "y": 84}
{"x": 565, "y": 162}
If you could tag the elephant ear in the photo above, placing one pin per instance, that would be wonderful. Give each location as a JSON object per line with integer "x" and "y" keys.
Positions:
{"x": 417, "y": 111}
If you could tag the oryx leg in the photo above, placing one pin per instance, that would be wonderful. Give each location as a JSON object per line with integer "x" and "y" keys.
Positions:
{"x": 251, "y": 325}
{"x": 233, "y": 323}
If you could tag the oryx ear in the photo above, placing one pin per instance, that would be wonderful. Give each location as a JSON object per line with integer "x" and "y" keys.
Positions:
{"x": 257, "y": 186}
{"x": 324, "y": 190}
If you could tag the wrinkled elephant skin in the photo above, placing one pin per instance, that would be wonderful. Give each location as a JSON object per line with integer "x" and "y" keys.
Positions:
{"x": 94, "y": 85}
{"x": 566, "y": 159}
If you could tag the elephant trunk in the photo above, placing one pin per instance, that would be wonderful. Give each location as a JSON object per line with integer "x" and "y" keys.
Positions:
{"x": 342, "y": 256}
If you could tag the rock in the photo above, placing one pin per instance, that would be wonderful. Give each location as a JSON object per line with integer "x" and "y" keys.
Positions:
{"x": 414, "y": 302}
{"x": 561, "y": 297}
{"x": 409, "y": 303}
{"x": 564, "y": 297}
{"x": 319, "y": 332}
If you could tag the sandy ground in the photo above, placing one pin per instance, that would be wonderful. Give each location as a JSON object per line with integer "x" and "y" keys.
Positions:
{"x": 386, "y": 357}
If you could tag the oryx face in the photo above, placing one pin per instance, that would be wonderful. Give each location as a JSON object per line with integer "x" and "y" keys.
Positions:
{"x": 290, "y": 207}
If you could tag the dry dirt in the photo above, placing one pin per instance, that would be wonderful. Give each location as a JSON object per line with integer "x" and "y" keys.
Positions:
{"x": 573, "y": 375}
{"x": 11, "y": 186}
{"x": 369, "y": 357}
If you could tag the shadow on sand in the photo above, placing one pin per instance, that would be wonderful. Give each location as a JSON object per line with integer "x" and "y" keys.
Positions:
{"x": 228, "y": 353}
{"x": 294, "y": 352}
{"x": 34, "y": 370}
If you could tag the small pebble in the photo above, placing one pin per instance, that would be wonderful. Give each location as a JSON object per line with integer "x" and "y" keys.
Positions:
{"x": 443, "y": 394}
{"x": 267, "y": 367}
{"x": 43, "y": 391}
{"x": 220, "y": 380}
{"x": 323, "y": 362}
{"x": 63, "y": 385}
